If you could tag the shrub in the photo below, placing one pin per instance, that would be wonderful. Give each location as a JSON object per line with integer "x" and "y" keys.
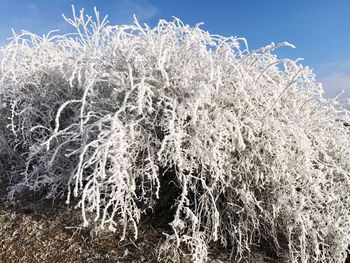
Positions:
{"x": 255, "y": 150}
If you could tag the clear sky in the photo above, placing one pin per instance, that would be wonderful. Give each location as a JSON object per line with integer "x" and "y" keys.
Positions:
{"x": 320, "y": 29}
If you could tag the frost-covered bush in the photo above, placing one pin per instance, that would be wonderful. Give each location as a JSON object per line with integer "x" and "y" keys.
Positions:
{"x": 34, "y": 85}
{"x": 256, "y": 151}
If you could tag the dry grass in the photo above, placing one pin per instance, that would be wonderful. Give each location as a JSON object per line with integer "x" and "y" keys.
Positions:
{"x": 44, "y": 232}
{"x": 45, "y": 236}
{"x": 39, "y": 231}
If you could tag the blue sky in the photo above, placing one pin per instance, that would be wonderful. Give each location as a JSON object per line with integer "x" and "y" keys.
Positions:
{"x": 320, "y": 29}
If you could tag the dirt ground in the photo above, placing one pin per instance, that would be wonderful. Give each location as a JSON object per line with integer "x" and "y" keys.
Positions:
{"x": 40, "y": 231}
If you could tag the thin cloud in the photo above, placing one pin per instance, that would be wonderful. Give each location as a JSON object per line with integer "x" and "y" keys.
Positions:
{"x": 332, "y": 67}
{"x": 32, "y": 9}
{"x": 143, "y": 10}
{"x": 335, "y": 82}
{"x": 335, "y": 77}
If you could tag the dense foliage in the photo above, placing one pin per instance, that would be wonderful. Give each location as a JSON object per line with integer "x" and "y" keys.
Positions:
{"x": 255, "y": 150}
